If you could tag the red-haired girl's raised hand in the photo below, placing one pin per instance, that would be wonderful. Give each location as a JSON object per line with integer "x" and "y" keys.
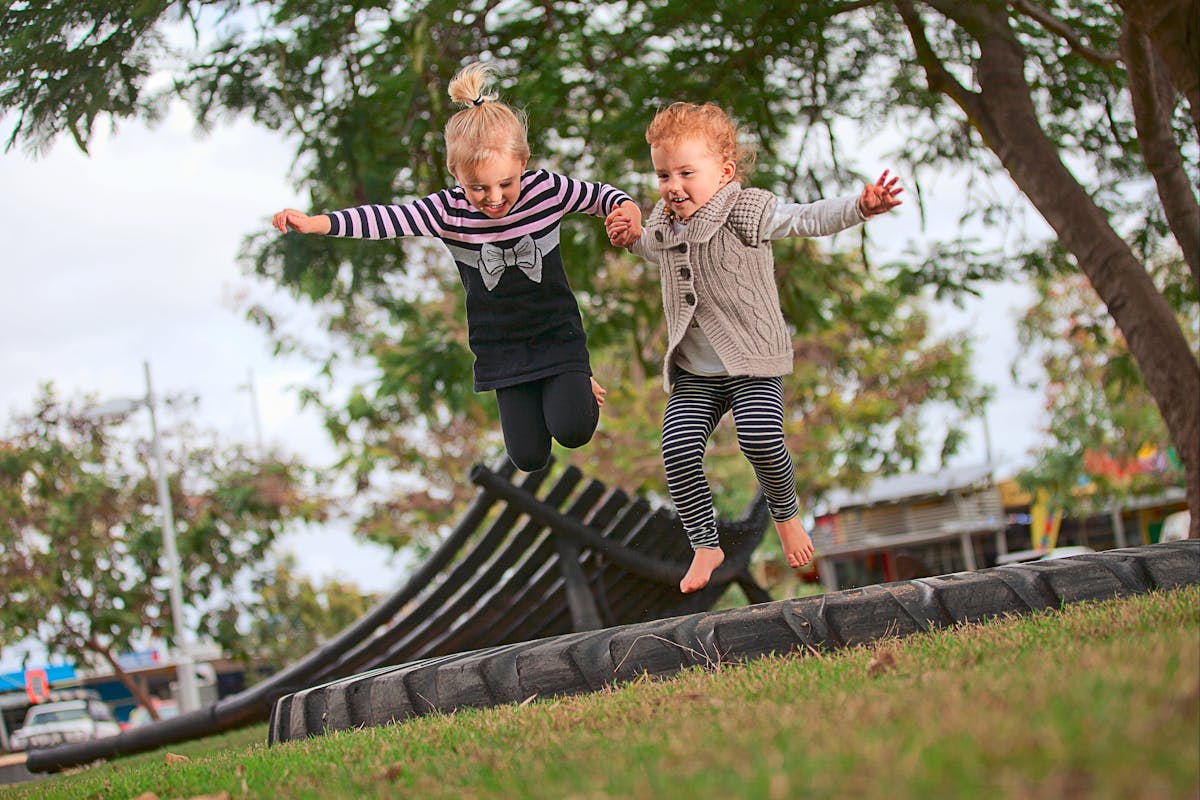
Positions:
{"x": 880, "y": 197}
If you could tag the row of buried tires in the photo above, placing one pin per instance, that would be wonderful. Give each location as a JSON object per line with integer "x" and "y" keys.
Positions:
{"x": 577, "y": 663}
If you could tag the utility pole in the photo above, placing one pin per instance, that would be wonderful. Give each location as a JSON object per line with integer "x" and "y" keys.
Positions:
{"x": 249, "y": 387}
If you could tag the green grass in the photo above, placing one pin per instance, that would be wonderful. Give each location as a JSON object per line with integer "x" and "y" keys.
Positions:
{"x": 1097, "y": 701}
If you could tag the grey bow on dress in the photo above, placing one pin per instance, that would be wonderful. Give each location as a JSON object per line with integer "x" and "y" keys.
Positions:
{"x": 524, "y": 255}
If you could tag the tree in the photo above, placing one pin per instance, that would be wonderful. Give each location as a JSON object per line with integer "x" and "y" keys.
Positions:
{"x": 1003, "y": 107}
{"x": 81, "y": 534}
{"x": 982, "y": 86}
{"x": 1107, "y": 441}
{"x": 295, "y": 615}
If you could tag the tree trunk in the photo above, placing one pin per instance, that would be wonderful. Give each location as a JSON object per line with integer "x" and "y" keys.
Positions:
{"x": 1174, "y": 28}
{"x": 1004, "y": 114}
{"x": 1153, "y": 99}
{"x": 140, "y": 696}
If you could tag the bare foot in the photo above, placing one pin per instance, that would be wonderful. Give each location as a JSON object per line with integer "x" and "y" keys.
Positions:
{"x": 598, "y": 392}
{"x": 704, "y": 561}
{"x": 797, "y": 546}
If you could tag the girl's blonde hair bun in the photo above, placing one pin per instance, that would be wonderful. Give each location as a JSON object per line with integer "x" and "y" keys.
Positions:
{"x": 485, "y": 128}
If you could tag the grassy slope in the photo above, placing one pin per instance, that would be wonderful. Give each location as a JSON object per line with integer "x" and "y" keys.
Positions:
{"x": 1099, "y": 700}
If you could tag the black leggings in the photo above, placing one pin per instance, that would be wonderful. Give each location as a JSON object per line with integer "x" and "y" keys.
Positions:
{"x": 560, "y": 407}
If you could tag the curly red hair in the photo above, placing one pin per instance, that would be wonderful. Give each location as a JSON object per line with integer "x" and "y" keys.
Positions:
{"x": 708, "y": 123}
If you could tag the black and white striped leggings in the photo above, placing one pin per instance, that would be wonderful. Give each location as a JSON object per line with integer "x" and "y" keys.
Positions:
{"x": 694, "y": 408}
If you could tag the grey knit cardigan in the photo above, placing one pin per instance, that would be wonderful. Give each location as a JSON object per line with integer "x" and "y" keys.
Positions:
{"x": 720, "y": 270}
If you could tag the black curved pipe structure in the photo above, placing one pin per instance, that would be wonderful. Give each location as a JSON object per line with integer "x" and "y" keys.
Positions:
{"x": 513, "y": 567}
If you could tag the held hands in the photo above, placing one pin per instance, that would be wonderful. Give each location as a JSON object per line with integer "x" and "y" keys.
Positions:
{"x": 879, "y": 197}
{"x": 624, "y": 224}
{"x": 291, "y": 219}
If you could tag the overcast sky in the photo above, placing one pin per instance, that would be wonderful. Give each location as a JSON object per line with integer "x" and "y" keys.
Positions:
{"x": 129, "y": 255}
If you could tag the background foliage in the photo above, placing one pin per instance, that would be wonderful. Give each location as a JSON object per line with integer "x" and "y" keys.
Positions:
{"x": 81, "y": 533}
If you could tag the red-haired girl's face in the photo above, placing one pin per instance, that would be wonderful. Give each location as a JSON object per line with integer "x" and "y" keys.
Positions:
{"x": 689, "y": 174}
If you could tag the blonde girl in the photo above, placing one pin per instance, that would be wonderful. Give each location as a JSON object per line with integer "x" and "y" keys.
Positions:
{"x": 500, "y": 224}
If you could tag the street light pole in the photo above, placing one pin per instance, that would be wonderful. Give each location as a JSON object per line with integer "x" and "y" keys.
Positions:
{"x": 249, "y": 387}
{"x": 185, "y": 665}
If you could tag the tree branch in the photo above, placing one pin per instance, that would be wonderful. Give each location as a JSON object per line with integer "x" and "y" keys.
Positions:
{"x": 136, "y": 688}
{"x": 1173, "y": 27}
{"x": 1061, "y": 29}
{"x": 1153, "y": 99}
{"x": 843, "y": 8}
{"x": 939, "y": 79}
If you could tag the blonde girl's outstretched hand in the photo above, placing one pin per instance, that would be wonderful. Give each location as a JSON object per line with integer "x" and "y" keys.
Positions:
{"x": 880, "y": 197}
{"x": 291, "y": 219}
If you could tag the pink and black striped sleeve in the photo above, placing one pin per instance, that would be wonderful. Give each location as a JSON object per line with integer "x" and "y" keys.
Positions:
{"x": 424, "y": 217}
{"x": 589, "y": 197}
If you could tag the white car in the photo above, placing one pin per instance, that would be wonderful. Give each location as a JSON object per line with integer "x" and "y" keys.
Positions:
{"x": 48, "y": 724}
{"x": 1175, "y": 527}
{"x": 165, "y": 708}
{"x": 1026, "y": 556}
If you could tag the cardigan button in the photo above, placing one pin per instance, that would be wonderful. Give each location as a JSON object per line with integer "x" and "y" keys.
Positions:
{"x": 682, "y": 247}
{"x": 685, "y": 273}
{"x": 690, "y": 299}
{"x": 658, "y": 235}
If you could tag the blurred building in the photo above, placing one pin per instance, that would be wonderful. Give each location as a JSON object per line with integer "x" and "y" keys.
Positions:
{"x": 961, "y": 519}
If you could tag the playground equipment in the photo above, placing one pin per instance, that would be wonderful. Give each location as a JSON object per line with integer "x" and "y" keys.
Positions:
{"x": 577, "y": 590}
{"x": 592, "y": 660}
{"x": 516, "y": 567}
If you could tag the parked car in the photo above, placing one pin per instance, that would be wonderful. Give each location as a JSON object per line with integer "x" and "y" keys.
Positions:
{"x": 165, "y": 708}
{"x": 1175, "y": 527}
{"x": 1026, "y": 556}
{"x": 48, "y": 724}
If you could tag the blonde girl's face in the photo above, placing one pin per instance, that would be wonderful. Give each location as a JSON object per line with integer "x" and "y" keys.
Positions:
{"x": 689, "y": 174}
{"x": 493, "y": 184}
